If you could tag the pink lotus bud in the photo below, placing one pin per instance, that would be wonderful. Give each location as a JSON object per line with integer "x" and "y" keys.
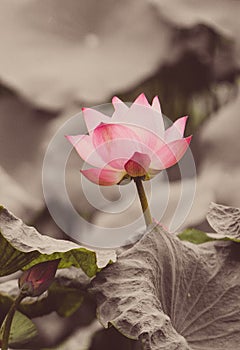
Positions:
{"x": 38, "y": 278}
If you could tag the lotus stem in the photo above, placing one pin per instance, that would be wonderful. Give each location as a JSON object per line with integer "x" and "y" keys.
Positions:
{"x": 144, "y": 201}
{"x": 8, "y": 321}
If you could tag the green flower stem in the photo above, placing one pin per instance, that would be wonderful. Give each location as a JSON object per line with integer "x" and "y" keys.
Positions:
{"x": 8, "y": 321}
{"x": 144, "y": 201}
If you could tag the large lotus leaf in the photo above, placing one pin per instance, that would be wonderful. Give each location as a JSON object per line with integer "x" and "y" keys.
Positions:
{"x": 21, "y": 245}
{"x": 172, "y": 294}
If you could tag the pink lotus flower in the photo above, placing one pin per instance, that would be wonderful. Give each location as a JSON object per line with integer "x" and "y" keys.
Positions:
{"x": 133, "y": 143}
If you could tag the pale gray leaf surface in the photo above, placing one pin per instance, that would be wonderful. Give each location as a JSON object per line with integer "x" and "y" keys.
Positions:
{"x": 224, "y": 220}
{"x": 172, "y": 294}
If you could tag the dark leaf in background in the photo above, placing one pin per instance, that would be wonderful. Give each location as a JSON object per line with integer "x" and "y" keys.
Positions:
{"x": 81, "y": 339}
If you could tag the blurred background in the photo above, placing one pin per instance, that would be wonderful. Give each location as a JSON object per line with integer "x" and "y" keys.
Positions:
{"x": 57, "y": 56}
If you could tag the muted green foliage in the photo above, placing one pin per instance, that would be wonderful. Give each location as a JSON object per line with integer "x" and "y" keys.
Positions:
{"x": 66, "y": 300}
{"x": 21, "y": 246}
{"x": 194, "y": 236}
{"x": 22, "y": 330}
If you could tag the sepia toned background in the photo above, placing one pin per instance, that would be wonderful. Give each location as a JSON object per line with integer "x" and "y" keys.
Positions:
{"x": 57, "y": 56}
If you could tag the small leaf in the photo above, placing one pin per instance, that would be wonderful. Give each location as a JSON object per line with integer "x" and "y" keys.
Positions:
{"x": 194, "y": 236}
{"x": 22, "y": 246}
{"x": 171, "y": 294}
{"x": 225, "y": 221}
{"x": 22, "y": 330}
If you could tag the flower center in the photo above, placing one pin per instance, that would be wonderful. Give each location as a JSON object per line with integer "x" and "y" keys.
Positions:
{"x": 137, "y": 165}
